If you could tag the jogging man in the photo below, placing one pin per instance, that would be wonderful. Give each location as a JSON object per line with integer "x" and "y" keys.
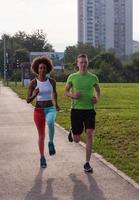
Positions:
{"x": 83, "y": 88}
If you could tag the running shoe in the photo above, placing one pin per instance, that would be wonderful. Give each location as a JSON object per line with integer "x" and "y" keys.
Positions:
{"x": 43, "y": 162}
{"x": 88, "y": 168}
{"x": 51, "y": 147}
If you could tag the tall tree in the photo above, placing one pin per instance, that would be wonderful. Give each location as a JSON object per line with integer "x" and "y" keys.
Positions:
{"x": 20, "y": 44}
{"x": 71, "y": 52}
{"x": 131, "y": 69}
{"x": 37, "y": 42}
{"x": 108, "y": 67}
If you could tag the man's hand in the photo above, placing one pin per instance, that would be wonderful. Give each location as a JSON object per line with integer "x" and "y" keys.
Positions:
{"x": 97, "y": 95}
{"x": 95, "y": 100}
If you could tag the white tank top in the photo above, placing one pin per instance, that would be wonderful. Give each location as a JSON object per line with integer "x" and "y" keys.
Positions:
{"x": 45, "y": 90}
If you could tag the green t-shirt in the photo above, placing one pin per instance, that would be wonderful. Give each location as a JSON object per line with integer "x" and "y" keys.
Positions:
{"x": 83, "y": 83}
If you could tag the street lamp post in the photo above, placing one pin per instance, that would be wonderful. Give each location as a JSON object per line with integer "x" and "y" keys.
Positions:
{"x": 4, "y": 51}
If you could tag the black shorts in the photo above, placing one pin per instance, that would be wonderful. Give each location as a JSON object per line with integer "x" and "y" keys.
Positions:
{"x": 81, "y": 119}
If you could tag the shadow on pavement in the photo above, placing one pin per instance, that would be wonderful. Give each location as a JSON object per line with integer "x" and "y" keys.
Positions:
{"x": 81, "y": 191}
{"x": 36, "y": 191}
{"x": 85, "y": 192}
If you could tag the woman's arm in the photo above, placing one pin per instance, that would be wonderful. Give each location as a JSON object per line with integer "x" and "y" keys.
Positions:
{"x": 53, "y": 82}
{"x": 32, "y": 92}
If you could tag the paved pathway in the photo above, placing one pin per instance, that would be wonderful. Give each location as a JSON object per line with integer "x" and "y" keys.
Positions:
{"x": 64, "y": 179}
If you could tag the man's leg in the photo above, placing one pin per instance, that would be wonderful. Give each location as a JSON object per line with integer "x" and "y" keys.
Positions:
{"x": 76, "y": 138}
{"x": 89, "y": 143}
{"x": 89, "y": 121}
{"x": 76, "y": 125}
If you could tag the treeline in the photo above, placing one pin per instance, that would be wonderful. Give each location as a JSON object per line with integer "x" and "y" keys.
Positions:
{"x": 106, "y": 65}
{"x": 20, "y": 44}
{"x": 18, "y": 47}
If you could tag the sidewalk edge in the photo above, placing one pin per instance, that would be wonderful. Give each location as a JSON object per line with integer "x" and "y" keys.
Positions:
{"x": 108, "y": 164}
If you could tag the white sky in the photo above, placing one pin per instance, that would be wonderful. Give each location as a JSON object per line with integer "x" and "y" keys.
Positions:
{"x": 57, "y": 18}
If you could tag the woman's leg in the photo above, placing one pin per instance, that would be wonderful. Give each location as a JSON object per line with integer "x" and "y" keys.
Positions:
{"x": 39, "y": 119}
{"x": 50, "y": 115}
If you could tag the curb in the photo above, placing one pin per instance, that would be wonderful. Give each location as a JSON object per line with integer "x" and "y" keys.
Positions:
{"x": 108, "y": 164}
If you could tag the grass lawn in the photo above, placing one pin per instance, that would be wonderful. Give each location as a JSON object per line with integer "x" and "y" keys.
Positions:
{"x": 117, "y": 124}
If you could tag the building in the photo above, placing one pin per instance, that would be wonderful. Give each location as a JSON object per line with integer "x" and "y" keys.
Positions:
{"x": 135, "y": 46}
{"x": 106, "y": 24}
{"x": 57, "y": 58}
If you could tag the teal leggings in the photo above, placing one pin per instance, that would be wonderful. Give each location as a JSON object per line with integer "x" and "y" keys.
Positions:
{"x": 50, "y": 116}
{"x": 42, "y": 116}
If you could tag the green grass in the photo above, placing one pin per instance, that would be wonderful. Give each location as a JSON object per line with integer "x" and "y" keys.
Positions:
{"x": 117, "y": 124}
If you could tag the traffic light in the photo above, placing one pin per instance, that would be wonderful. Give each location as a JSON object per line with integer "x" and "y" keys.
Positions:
{"x": 17, "y": 63}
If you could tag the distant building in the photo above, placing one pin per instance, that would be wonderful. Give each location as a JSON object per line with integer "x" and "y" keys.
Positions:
{"x": 135, "y": 46}
{"x": 57, "y": 58}
{"x": 107, "y": 24}
{"x": 25, "y": 73}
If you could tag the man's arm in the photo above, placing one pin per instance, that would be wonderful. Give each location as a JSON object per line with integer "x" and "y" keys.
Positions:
{"x": 68, "y": 93}
{"x": 97, "y": 95}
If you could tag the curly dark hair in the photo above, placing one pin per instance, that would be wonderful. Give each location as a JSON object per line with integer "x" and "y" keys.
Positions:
{"x": 39, "y": 60}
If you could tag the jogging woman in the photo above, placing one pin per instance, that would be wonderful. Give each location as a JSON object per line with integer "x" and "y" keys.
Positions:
{"x": 43, "y": 89}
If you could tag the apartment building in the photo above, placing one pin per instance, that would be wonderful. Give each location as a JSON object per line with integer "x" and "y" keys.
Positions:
{"x": 106, "y": 24}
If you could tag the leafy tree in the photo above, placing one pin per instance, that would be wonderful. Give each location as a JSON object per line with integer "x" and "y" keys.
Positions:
{"x": 88, "y": 49}
{"x": 131, "y": 69}
{"x": 20, "y": 44}
{"x": 21, "y": 55}
{"x": 135, "y": 59}
{"x": 71, "y": 52}
{"x": 19, "y": 39}
{"x": 37, "y": 42}
{"x": 108, "y": 67}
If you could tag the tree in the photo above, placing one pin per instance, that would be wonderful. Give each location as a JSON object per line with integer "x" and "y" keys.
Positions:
{"x": 37, "y": 42}
{"x": 108, "y": 67}
{"x": 20, "y": 44}
{"x": 21, "y": 55}
{"x": 71, "y": 52}
{"x": 131, "y": 69}
{"x": 19, "y": 39}
{"x": 88, "y": 49}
